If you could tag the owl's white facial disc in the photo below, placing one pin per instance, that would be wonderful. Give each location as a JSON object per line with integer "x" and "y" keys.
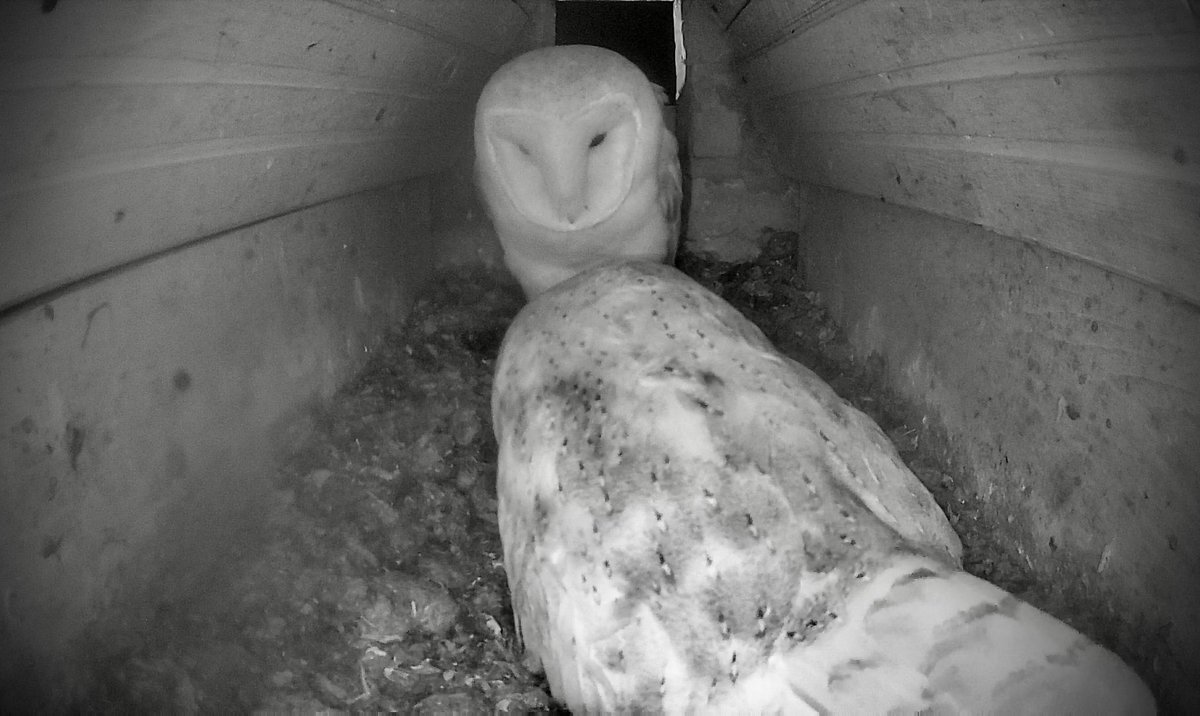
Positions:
{"x": 566, "y": 172}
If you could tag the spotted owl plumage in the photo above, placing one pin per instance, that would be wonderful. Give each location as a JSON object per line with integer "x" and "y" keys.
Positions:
{"x": 575, "y": 164}
{"x": 693, "y": 522}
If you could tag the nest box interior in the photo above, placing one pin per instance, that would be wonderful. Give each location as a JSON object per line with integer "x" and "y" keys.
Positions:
{"x": 215, "y": 215}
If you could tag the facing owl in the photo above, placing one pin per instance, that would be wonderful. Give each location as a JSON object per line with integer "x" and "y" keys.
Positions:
{"x": 575, "y": 164}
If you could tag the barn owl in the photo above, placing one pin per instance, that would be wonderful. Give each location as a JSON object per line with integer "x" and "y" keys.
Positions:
{"x": 693, "y": 522}
{"x": 575, "y": 163}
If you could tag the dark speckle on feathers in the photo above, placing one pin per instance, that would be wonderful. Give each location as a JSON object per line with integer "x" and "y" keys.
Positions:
{"x": 922, "y": 573}
{"x": 541, "y": 514}
{"x": 761, "y": 622}
{"x": 1007, "y": 607}
{"x": 1070, "y": 655}
{"x": 750, "y": 526}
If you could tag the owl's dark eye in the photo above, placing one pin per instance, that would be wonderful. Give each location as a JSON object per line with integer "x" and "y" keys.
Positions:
{"x": 524, "y": 149}
{"x": 597, "y": 140}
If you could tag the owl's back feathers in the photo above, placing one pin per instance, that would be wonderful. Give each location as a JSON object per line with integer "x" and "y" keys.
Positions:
{"x": 575, "y": 164}
{"x": 693, "y": 522}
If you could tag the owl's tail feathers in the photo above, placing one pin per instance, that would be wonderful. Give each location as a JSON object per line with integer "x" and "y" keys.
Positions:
{"x": 921, "y": 636}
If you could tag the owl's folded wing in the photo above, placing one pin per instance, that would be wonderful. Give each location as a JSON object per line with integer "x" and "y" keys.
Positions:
{"x": 670, "y": 189}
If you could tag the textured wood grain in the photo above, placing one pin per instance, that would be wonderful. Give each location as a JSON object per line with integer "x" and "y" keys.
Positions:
{"x": 1070, "y": 392}
{"x": 1070, "y": 125}
{"x": 144, "y": 404}
{"x": 864, "y": 37}
{"x": 1120, "y": 208}
{"x": 133, "y": 128}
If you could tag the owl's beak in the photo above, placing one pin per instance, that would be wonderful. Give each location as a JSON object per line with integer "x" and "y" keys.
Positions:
{"x": 569, "y": 199}
{"x": 568, "y": 184}
{"x": 571, "y": 208}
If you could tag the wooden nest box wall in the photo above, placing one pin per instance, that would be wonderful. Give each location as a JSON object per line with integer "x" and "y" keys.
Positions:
{"x": 210, "y": 212}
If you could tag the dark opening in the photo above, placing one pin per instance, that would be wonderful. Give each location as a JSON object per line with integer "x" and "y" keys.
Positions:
{"x": 642, "y": 31}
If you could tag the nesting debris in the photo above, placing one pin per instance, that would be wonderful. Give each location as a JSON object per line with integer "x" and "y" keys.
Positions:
{"x": 380, "y": 586}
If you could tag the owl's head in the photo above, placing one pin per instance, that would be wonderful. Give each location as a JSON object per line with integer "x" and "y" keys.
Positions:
{"x": 563, "y": 133}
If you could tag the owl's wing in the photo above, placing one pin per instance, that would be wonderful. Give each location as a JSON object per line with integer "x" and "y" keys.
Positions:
{"x": 670, "y": 189}
{"x": 920, "y": 637}
{"x": 864, "y": 460}
{"x": 670, "y": 180}
{"x": 483, "y": 189}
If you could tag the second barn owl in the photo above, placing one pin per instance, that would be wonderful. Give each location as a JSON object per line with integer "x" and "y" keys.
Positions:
{"x": 575, "y": 164}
